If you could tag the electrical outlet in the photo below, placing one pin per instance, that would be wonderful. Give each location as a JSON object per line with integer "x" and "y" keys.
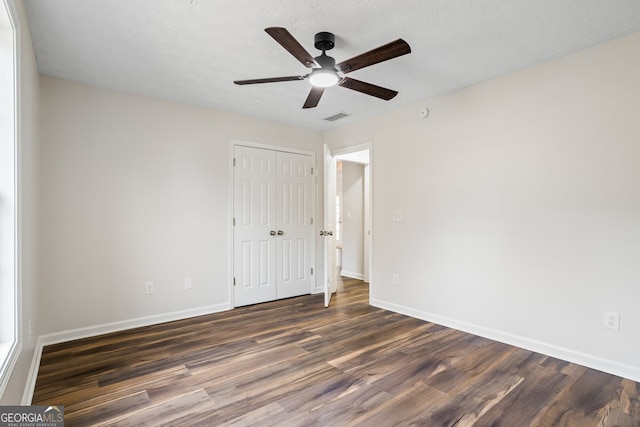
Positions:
{"x": 395, "y": 280}
{"x": 149, "y": 289}
{"x": 187, "y": 284}
{"x": 612, "y": 320}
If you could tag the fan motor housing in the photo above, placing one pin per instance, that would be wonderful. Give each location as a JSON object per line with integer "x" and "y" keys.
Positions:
{"x": 324, "y": 41}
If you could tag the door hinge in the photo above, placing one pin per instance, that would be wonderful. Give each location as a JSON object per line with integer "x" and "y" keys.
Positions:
{"x": 234, "y": 222}
{"x": 311, "y": 220}
{"x": 312, "y": 271}
{"x": 234, "y": 281}
{"x": 311, "y": 171}
{"x": 234, "y": 161}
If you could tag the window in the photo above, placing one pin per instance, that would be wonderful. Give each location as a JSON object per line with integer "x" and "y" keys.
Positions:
{"x": 9, "y": 343}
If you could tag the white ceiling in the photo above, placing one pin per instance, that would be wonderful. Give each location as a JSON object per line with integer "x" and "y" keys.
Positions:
{"x": 190, "y": 51}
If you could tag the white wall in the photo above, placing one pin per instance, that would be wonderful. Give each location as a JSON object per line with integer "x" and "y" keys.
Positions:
{"x": 136, "y": 190}
{"x": 521, "y": 203}
{"x": 353, "y": 220}
{"x": 28, "y": 155}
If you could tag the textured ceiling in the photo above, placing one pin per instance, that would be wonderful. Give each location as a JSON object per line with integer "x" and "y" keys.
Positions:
{"x": 190, "y": 51}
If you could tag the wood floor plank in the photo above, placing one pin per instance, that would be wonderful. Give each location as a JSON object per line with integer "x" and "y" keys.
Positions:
{"x": 591, "y": 396}
{"x": 525, "y": 402}
{"x": 295, "y": 363}
{"x": 343, "y": 409}
{"x": 182, "y": 410}
{"x": 411, "y": 407}
{"x": 96, "y": 412}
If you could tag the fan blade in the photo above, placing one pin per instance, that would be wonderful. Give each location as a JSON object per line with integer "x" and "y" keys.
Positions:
{"x": 380, "y": 54}
{"x": 314, "y": 97}
{"x": 286, "y": 40}
{"x": 368, "y": 88}
{"x": 268, "y": 80}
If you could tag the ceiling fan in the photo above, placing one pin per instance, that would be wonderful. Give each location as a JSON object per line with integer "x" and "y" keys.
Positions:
{"x": 324, "y": 70}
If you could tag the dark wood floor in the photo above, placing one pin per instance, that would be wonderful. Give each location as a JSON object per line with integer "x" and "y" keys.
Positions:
{"x": 295, "y": 363}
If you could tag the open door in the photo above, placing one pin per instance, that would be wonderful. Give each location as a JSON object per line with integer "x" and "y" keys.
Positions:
{"x": 330, "y": 273}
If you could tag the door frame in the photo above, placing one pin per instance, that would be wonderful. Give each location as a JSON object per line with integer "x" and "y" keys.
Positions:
{"x": 237, "y": 142}
{"x": 368, "y": 205}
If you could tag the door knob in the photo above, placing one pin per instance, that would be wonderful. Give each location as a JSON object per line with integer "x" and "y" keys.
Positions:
{"x": 280, "y": 232}
{"x": 272, "y": 232}
{"x": 330, "y": 233}
{"x": 322, "y": 233}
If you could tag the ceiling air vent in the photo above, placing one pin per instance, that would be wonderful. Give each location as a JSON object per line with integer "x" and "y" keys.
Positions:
{"x": 337, "y": 117}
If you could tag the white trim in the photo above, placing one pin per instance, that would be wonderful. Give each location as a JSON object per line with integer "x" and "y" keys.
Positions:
{"x": 232, "y": 294}
{"x": 366, "y": 227}
{"x": 590, "y": 361}
{"x": 353, "y": 149}
{"x": 121, "y": 325}
{"x": 10, "y": 351}
{"x": 30, "y": 385}
{"x": 13, "y": 353}
{"x": 18, "y": 184}
{"x": 352, "y": 275}
{"x": 281, "y": 148}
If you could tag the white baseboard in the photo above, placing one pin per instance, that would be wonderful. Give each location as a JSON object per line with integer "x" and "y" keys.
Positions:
{"x": 91, "y": 331}
{"x": 352, "y": 275}
{"x": 30, "y": 386}
{"x": 590, "y": 361}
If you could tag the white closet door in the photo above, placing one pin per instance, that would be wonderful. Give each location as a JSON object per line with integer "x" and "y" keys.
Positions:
{"x": 254, "y": 249}
{"x": 295, "y": 228}
{"x": 273, "y": 231}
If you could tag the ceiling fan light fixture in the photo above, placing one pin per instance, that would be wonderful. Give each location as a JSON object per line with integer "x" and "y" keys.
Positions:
{"x": 321, "y": 77}
{"x": 324, "y": 70}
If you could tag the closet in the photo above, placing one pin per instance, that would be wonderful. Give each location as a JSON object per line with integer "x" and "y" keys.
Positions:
{"x": 272, "y": 224}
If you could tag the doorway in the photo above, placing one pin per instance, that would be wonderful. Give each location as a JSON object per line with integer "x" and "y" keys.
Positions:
{"x": 353, "y": 201}
{"x": 350, "y": 230}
